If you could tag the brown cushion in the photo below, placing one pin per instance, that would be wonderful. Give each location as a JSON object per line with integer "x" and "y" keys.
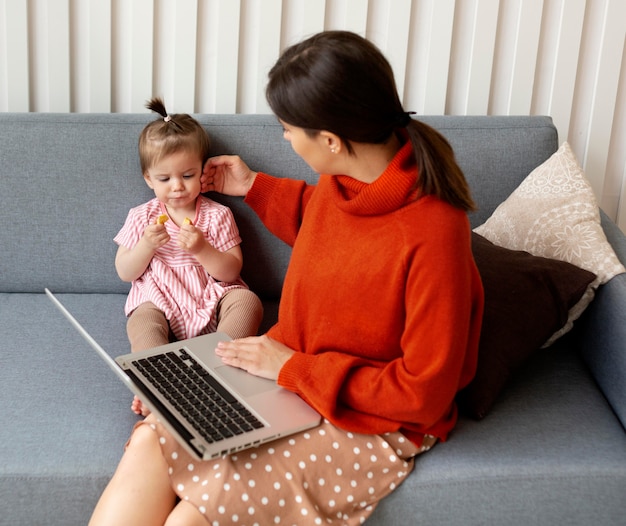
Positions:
{"x": 527, "y": 299}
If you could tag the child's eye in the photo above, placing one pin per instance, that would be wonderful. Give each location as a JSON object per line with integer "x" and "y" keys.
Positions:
{"x": 189, "y": 176}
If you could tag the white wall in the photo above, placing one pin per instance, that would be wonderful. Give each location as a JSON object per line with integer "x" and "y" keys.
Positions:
{"x": 564, "y": 58}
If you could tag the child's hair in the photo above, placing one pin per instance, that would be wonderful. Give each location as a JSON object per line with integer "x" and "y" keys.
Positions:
{"x": 340, "y": 82}
{"x": 171, "y": 134}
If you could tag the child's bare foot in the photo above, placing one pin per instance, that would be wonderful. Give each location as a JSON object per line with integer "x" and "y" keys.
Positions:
{"x": 138, "y": 407}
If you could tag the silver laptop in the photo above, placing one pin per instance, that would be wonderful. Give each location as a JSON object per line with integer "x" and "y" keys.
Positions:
{"x": 213, "y": 409}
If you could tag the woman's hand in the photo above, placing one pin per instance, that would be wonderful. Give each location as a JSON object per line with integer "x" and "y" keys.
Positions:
{"x": 227, "y": 174}
{"x": 258, "y": 355}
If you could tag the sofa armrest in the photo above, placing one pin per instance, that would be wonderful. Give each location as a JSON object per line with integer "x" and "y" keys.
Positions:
{"x": 603, "y": 343}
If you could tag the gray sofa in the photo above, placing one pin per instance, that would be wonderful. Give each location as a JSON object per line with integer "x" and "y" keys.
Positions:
{"x": 551, "y": 451}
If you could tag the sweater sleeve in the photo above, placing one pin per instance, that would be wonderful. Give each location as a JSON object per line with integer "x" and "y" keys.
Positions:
{"x": 280, "y": 204}
{"x": 416, "y": 390}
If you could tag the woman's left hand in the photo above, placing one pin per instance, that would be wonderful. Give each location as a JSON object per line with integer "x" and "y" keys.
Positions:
{"x": 258, "y": 355}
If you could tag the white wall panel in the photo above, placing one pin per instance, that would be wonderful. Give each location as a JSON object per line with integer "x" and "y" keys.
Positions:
{"x": 133, "y": 32}
{"x": 301, "y": 18}
{"x": 90, "y": 32}
{"x": 388, "y": 27}
{"x": 49, "y": 53}
{"x": 14, "y": 75}
{"x": 350, "y": 15}
{"x": 563, "y": 58}
{"x": 472, "y": 55}
{"x": 175, "y": 53}
{"x": 515, "y": 58}
{"x": 605, "y": 71}
{"x": 260, "y": 46}
{"x": 217, "y": 56}
{"x": 428, "y": 64}
{"x": 557, "y": 62}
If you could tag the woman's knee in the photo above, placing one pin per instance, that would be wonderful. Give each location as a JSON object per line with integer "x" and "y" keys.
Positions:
{"x": 186, "y": 514}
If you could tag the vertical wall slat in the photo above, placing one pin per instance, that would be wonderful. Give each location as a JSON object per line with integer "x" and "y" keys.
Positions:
{"x": 133, "y": 54}
{"x": 555, "y": 78}
{"x": 606, "y": 80}
{"x": 388, "y": 27}
{"x": 472, "y": 57}
{"x": 50, "y": 66}
{"x": 260, "y": 35}
{"x": 430, "y": 41}
{"x": 91, "y": 56}
{"x": 350, "y": 15}
{"x": 175, "y": 54}
{"x": 515, "y": 57}
{"x": 616, "y": 169}
{"x": 301, "y": 18}
{"x": 14, "y": 75}
{"x": 218, "y": 56}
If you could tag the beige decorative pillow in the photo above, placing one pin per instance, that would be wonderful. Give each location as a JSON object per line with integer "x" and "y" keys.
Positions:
{"x": 554, "y": 214}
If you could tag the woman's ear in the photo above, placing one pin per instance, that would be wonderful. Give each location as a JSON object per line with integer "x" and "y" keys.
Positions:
{"x": 331, "y": 141}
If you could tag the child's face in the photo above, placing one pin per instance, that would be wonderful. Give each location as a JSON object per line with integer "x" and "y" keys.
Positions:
{"x": 175, "y": 179}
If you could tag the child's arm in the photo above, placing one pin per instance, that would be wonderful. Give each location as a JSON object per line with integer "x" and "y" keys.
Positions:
{"x": 222, "y": 266}
{"x": 132, "y": 263}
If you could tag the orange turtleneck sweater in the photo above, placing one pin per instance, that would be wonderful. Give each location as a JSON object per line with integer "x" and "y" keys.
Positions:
{"x": 382, "y": 300}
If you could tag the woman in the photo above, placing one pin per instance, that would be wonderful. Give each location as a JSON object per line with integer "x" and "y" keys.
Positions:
{"x": 379, "y": 319}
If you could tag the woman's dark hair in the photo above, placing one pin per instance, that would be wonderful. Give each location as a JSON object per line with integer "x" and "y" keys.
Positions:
{"x": 340, "y": 82}
{"x": 170, "y": 134}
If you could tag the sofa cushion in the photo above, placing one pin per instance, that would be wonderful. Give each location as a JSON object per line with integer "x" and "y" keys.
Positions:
{"x": 527, "y": 298}
{"x": 554, "y": 214}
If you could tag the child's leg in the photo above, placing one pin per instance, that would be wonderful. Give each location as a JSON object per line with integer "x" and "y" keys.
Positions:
{"x": 239, "y": 313}
{"x": 147, "y": 327}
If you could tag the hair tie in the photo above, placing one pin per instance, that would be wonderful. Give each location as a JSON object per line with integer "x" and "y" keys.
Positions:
{"x": 404, "y": 118}
{"x": 167, "y": 118}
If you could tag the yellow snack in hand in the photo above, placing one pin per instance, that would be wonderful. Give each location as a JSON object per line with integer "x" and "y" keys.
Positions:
{"x": 187, "y": 221}
{"x": 162, "y": 219}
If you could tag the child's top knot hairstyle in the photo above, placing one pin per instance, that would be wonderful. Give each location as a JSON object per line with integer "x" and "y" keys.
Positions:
{"x": 171, "y": 134}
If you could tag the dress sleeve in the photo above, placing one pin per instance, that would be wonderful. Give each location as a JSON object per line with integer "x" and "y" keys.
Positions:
{"x": 223, "y": 233}
{"x": 131, "y": 232}
{"x": 280, "y": 204}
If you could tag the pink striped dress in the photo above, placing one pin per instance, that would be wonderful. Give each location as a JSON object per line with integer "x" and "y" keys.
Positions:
{"x": 174, "y": 281}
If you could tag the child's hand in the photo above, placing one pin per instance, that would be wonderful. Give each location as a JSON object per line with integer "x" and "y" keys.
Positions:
{"x": 156, "y": 236}
{"x": 190, "y": 238}
{"x": 138, "y": 408}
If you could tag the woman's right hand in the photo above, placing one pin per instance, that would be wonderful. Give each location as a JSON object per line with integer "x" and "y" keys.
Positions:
{"x": 227, "y": 174}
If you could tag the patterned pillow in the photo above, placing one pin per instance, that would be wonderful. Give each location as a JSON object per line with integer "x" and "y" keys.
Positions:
{"x": 554, "y": 214}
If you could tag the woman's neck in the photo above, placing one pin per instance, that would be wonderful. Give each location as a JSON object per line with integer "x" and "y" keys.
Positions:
{"x": 369, "y": 161}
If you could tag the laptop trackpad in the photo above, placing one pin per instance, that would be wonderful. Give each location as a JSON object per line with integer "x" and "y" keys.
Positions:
{"x": 245, "y": 383}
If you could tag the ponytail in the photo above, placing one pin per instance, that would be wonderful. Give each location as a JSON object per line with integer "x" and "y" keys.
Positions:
{"x": 437, "y": 169}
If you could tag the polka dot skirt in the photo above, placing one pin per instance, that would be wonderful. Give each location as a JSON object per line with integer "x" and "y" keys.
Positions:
{"x": 321, "y": 476}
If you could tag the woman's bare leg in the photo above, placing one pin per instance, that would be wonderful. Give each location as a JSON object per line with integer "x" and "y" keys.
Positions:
{"x": 140, "y": 491}
{"x": 186, "y": 514}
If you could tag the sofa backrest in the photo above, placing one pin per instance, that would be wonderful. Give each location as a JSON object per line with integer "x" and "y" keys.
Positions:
{"x": 67, "y": 182}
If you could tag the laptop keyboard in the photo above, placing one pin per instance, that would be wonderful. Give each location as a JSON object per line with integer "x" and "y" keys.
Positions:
{"x": 199, "y": 397}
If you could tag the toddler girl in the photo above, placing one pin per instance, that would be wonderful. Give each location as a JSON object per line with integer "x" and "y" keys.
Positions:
{"x": 181, "y": 250}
